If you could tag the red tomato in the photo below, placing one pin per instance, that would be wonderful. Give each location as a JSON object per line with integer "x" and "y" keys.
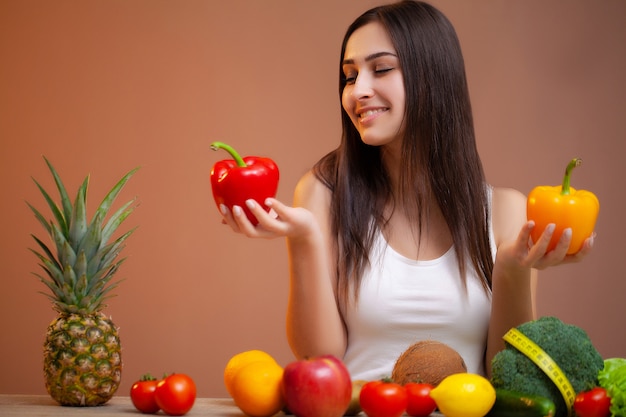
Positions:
{"x": 420, "y": 403}
{"x": 142, "y": 394}
{"x": 383, "y": 399}
{"x": 175, "y": 394}
{"x": 593, "y": 403}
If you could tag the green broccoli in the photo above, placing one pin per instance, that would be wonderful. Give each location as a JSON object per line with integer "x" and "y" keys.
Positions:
{"x": 569, "y": 346}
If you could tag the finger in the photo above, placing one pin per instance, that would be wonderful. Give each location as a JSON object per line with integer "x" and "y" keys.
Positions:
{"x": 557, "y": 255}
{"x": 242, "y": 222}
{"x": 227, "y": 218}
{"x": 269, "y": 224}
{"x": 277, "y": 207}
{"x": 562, "y": 246}
{"x": 523, "y": 238}
{"x": 257, "y": 210}
{"x": 541, "y": 245}
{"x": 584, "y": 250}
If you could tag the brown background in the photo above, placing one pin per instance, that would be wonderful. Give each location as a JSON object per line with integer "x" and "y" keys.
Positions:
{"x": 100, "y": 87}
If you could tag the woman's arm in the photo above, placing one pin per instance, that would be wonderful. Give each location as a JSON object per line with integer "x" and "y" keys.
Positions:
{"x": 314, "y": 323}
{"x": 513, "y": 286}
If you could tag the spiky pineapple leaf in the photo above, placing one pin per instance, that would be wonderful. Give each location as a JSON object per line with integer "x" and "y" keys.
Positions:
{"x": 80, "y": 267}
{"x": 53, "y": 269}
{"x": 78, "y": 222}
{"x": 65, "y": 252}
{"x": 80, "y": 271}
{"x": 81, "y": 286}
{"x": 115, "y": 220}
{"x": 104, "y": 276}
{"x": 44, "y": 222}
{"x": 105, "y": 293}
{"x": 92, "y": 239}
{"x": 103, "y": 259}
{"x": 48, "y": 252}
{"x": 56, "y": 292}
{"x": 69, "y": 278}
{"x": 58, "y": 215}
{"x": 66, "y": 203}
{"x": 114, "y": 248}
{"x": 104, "y": 206}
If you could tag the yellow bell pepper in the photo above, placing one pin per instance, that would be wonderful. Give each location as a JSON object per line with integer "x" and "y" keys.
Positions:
{"x": 566, "y": 208}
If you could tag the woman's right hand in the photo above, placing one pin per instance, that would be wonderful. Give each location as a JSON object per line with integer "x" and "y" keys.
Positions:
{"x": 281, "y": 221}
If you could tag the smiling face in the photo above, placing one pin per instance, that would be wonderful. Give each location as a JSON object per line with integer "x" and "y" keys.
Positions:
{"x": 373, "y": 95}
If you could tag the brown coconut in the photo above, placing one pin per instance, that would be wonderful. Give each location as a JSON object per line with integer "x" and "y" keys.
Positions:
{"x": 427, "y": 361}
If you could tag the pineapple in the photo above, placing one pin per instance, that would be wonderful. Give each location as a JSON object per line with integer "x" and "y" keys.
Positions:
{"x": 82, "y": 351}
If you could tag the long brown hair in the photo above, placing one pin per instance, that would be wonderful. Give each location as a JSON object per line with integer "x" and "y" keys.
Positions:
{"x": 439, "y": 149}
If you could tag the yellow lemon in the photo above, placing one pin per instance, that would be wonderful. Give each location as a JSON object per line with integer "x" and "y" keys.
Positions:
{"x": 257, "y": 389}
{"x": 464, "y": 395}
{"x": 239, "y": 361}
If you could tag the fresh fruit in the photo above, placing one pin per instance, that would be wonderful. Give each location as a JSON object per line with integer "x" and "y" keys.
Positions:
{"x": 464, "y": 395}
{"x": 515, "y": 404}
{"x": 240, "y": 360}
{"x": 383, "y": 399}
{"x": 354, "y": 407}
{"x": 420, "y": 403}
{"x": 593, "y": 403}
{"x": 142, "y": 394}
{"x": 175, "y": 394}
{"x": 257, "y": 388}
{"x": 82, "y": 353}
{"x": 317, "y": 387}
{"x": 427, "y": 361}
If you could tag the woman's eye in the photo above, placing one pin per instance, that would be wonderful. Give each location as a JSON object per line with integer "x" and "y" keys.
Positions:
{"x": 383, "y": 70}
{"x": 349, "y": 78}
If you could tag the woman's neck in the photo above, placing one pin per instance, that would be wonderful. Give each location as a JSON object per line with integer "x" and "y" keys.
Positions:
{"x": 391, "y": 155}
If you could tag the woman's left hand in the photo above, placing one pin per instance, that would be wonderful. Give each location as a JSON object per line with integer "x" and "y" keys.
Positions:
{"x": 522, "y": 253}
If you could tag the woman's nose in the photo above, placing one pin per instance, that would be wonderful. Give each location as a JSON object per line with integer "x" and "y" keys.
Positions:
{"x": 362, "y": 87}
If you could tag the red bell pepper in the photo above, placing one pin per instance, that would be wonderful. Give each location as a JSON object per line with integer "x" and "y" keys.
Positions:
{"x": 233, "y": 181}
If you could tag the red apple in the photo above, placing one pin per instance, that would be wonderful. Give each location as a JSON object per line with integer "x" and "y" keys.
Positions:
{"x": 317, "y": 387}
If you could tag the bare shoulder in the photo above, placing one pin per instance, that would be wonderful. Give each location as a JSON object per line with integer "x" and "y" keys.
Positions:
{"x": 311, "y": 193}
{"x": 508, "y": 213}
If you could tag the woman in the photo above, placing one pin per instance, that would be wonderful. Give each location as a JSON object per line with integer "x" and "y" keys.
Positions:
{"x": 395, "y": 236}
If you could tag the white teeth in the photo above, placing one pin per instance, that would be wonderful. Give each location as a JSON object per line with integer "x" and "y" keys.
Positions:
{"x": 370, "y": 112}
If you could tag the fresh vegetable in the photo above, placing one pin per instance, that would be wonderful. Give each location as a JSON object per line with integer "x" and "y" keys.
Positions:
{"x": 142, "y": 394}
{"x": 566, "y": 208}
{"x": 383, "y": 398}
{"x": 316, "y": 387}
{"x": 233, "y": 181}
{"x": 568, "y": 345}
{"x": 420, "y": 403}
{"x": 464, "y": 395}
{"x": 175, "y": 394}
{"x": 612, "y": 377}
{"x": 515, "y": 404}
{"x": 592, "y": 403}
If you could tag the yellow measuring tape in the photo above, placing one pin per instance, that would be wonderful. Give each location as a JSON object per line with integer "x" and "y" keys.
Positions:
{"x": 545, "y": 363}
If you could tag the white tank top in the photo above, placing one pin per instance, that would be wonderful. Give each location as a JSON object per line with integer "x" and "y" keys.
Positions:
{"x": 403, "y": 301}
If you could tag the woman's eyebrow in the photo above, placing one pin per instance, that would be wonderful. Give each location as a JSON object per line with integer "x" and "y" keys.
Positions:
{"x": 373, "y": 56}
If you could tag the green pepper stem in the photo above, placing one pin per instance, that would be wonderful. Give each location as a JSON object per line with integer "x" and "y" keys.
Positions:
{"x": 568, "y": 173}
{"x": 220, "y": 145}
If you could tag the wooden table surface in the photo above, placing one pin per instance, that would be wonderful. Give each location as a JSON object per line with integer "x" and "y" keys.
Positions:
{"x": 45, "y": 406}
